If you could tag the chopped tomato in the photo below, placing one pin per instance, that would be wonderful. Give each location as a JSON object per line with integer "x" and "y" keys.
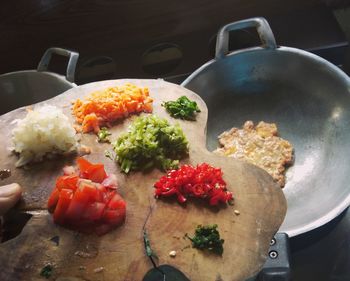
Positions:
{"x": 69, "y": 182}
{"x": 75, "y": 210}
{"x": 62, "y": 205}
{"x": 83, "y": 203}
{"x": 94, "y": 172}
{"x": 114, "y": 217}
{"x": 83, "y": 195}
{"x": 83, "y": 164}
{"x": 94, "y": 211}
{"x": 116, "y": 210}
{"x": 110, "y": 182}
{"x": 116, "y": 202}
{"x": 53, "y": 199}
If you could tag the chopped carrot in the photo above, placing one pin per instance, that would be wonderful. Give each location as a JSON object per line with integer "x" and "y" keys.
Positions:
{"x": 101, "y": 108}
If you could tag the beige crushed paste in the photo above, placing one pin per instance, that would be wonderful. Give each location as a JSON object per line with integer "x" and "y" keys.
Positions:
{"x": 259, "y": 145}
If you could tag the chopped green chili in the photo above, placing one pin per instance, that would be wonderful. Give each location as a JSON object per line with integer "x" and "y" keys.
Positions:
{"x": 103, "y": 134}
{"x": 150, "y": 142}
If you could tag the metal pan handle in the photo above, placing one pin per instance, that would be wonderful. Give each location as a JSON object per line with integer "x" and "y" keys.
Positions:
{"x": 262, "y": 26}
{"x": 72, "y": 63}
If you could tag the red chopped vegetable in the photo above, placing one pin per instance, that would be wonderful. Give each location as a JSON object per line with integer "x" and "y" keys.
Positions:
{"x": 85, "y": 199}
{"x": 202, "y": 181}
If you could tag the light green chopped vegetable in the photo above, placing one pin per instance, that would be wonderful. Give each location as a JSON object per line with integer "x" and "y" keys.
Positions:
{"x": 150, "y": 142}
{"x": 103, "y": 135}
{"x": 182, "y": 108}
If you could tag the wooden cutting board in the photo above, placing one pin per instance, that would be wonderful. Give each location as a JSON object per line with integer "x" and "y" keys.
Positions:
{"x": 121, "y": 252}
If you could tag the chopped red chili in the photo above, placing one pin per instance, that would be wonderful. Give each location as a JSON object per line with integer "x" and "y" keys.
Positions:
{"x": 202, "y": 181}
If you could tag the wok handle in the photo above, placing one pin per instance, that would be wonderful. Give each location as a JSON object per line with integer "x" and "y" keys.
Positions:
{"x": 72, "y": 63}
{"x": 277, "y": 266}
{"x": 261, "y": 25}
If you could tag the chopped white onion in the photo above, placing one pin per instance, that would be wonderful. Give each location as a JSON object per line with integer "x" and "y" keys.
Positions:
{"x": 43, "y": 131}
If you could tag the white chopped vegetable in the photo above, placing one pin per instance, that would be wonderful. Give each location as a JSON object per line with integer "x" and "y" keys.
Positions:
{"x": 172, "y": 254}
{"x": 43, "y": 131}
{"x": 99, "y": 269}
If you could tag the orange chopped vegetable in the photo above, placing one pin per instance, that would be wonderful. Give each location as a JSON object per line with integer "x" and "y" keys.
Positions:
{"x": 101, "y": 108}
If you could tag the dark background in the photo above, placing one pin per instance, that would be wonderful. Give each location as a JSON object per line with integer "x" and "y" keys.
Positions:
{"x": 114, "y": 37}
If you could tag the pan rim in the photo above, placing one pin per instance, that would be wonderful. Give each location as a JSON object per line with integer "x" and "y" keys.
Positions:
{"x": 279, "y": 49}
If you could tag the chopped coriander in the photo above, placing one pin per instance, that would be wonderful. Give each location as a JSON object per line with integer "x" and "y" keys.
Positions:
{"x": 109, "y": 154}
{"x": 103, "y": 134}
{"x": 207, "y": 237}
{"x": 182, "y": 108}
{"x": 150, "y": 142}
{"x": 46, "y": 271}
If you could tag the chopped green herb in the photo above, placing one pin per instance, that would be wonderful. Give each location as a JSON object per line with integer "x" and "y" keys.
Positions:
{"x": 150, "y": 142}
{"x": 182, "y": 108}
{"x": 103, "y": 134}
{"x": 109, "y": 154}
{"x": 46, "y": 271}
{"x": 207, "y": 237}
{"x": 149, "y": 251}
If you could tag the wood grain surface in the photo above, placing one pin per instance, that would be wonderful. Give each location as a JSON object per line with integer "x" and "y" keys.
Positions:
{"x": 121, "y": 252}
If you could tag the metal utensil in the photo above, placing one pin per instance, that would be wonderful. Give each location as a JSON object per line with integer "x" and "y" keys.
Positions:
{"x": 309, "y": 100}
{"x": 27, "y": 87}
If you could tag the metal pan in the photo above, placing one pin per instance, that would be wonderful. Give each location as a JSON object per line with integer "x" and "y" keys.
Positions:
{"x": 309, "y": 100}
{"x": 27, "y": 87}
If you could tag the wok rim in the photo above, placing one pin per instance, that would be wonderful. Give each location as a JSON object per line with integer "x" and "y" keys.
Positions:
{"x": 39, "y": 73}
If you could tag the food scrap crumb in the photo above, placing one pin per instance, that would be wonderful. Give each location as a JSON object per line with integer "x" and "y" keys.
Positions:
{"x": 237, "y": 212}
{"x": 84, "y": 150}
{"x": 77, "y": 128}
{"x": 83, "y": 254}
{"x": 5, "y": 173}
{"x": 29, "y": 108}
{"x": 98, "y": 269}
{"x": 56, "y": 240}
{"x": 172, "y": 254}
{"x": 103, "y": 135}
{"x": 46, "y": 271}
